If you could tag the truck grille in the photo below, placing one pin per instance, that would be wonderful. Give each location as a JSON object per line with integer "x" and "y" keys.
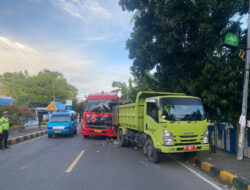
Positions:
{"x": 100, "y": 121}
{"x": 98, "y": 126}
{"x": 187, "y": 139}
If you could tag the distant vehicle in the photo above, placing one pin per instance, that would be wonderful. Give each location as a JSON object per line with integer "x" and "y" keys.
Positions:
{"x": 163, "y": 122}
{"x": 97, "y": 115}
{"x": 62, "y": 123}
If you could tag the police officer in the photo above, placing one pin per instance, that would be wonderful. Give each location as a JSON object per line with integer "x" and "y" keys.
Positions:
{"x": 6, "y": 127}
{"x": 1, "y": 135}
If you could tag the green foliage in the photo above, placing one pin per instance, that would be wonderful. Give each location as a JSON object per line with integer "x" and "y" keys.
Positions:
{"x": 181, "y": 41}
{"x": 37, "y": 90}
{"x": 78, "y": 107}
{"x": 128, "y": 92}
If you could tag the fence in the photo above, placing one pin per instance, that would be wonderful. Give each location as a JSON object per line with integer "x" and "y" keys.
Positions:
{"x": 227, "y": 138}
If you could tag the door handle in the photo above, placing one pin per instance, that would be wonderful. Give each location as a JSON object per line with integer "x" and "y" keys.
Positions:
{"x": 146, "y": 126}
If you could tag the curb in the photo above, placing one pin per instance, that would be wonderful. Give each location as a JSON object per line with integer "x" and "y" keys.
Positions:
{"x": 225, "y": 176}
{"x": 26, "y": 137}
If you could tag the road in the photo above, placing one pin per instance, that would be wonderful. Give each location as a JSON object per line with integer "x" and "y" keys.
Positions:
{"x": 65, "y": 163}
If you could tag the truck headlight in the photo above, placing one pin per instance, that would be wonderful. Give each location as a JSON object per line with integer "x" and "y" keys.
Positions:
{"x": 205, "y": 139}
{"x": 167, "y": 134}
{"x": 167, "y": 137}
{"x": 167, "y": 141}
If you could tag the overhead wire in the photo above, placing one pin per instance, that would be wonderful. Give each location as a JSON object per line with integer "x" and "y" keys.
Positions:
{"x": 32, "y": 59}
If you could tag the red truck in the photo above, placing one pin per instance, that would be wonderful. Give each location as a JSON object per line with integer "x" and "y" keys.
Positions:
{"x": 97, "y": 115}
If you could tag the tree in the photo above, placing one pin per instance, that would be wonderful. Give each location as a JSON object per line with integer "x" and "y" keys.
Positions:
{"x": 180, "y": 40}
{"x": 37, "y": 90}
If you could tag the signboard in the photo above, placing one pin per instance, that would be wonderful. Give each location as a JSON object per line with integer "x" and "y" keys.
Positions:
{"x": 67, "y": 107}
{"x": 68, "y": 102}
{"x": 51, "y": 107}
{"x": 231, "y": 39}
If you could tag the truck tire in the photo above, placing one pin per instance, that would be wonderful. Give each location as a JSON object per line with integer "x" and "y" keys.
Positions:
{"x": 49, "y": 136}
{"x": 122, "y": 140}
{"x": 152, "y": 154}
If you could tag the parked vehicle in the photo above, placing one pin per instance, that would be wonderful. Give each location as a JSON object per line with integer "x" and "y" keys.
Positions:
{"x": 97, "y": 116}
{"x": 62, "y": 123}
{"x": 163, "y": 122}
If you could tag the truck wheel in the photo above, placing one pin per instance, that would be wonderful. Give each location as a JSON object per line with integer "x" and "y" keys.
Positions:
{"x": 122, "y": 140}
{"x": 49, "y": 136}
{"x": 152, "y": 154}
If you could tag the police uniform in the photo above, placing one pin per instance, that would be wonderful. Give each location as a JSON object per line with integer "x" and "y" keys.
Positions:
{"x": 5, "y": 127}
{"x": 1, "y": 135}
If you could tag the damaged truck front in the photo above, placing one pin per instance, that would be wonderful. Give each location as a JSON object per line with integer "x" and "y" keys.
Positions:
{"x": 97, "y": 116}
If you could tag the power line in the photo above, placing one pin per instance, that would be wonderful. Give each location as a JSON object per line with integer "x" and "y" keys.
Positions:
{"x": 11, "y": 52}
{"x": 31, "y": 58}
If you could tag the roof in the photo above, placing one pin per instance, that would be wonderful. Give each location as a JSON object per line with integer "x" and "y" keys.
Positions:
{"x": 103, "y": 96}
{"x": 60, "y": 106}
{"x": 40, "y": 108}
{"x": 5, "y": 101}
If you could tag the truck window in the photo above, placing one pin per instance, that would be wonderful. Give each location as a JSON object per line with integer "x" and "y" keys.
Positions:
{"x": 59, "y": 118}
{"x": 152, "y": 111}
{"x": 182, "y": 109}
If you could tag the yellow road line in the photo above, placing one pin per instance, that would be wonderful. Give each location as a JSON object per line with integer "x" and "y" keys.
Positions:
{"x": 70, "y": 168}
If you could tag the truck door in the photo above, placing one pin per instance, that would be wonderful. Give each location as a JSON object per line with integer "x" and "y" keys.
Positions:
{"x": 151, "y": 118}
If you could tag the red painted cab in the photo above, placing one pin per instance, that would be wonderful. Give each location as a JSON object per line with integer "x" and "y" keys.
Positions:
{"x": 97, "y": 115}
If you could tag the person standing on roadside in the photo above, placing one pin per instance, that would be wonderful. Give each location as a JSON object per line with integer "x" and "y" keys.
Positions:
{"x": 1, "y": 136}
{"x": 40, "y": 119}
{"x": 6, "y": 127}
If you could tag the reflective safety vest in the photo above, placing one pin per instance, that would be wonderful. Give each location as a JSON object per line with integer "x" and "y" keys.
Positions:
{"x": 5, "y": 123}
{"x": 1, "y": 127}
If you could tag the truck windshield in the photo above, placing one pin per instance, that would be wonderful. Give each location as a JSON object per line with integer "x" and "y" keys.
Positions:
{"x": 59, "y": 118}
{"x": 100, "y": 105}
{"x": 182, "y": 109}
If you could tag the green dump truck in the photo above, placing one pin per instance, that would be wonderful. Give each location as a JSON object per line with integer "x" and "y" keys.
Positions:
{"x": 163, "y": 122}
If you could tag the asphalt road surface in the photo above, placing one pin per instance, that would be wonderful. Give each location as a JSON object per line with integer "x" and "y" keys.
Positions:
{"x": 66, "y": 163}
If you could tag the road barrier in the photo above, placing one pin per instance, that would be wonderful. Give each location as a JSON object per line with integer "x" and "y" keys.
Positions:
{"x": 225, "y": 176}
{"x": 26, "y": 137}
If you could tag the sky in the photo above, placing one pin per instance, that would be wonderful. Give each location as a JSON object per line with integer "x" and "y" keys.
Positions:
{"x": 83, "y": 39}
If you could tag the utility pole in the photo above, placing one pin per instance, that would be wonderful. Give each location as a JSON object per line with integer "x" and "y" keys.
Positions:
{"x": 54, "y": 93}
{"x": 245, "y": 95}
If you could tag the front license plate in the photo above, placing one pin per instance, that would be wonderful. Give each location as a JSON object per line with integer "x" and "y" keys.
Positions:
{"x": 98, "y": 131}
{"x": 190, "y": 147}
{"x": 57, "y": 131}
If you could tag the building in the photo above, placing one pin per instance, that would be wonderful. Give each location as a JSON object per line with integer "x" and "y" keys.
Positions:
{"x": 4, "y": 101}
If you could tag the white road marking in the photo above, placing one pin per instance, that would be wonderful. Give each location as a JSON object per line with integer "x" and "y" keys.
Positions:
{"x": 199, "y": 175}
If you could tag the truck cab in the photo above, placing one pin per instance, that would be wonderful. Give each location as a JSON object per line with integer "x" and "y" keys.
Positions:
{"x": 62, "y": 123}
{"x": 97, "y": 116}
{"x": 176, "y": 123}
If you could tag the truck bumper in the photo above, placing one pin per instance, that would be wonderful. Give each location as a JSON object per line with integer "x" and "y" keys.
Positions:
{"x": 99, "y": 132}
{"x": 179, "y": 149}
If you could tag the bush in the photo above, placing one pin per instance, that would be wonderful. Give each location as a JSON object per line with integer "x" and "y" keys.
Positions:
{"x": 17, "y": 116}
